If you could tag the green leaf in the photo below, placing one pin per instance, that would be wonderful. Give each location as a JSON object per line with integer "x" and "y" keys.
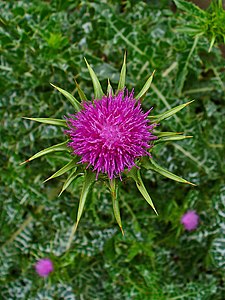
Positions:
{"x": 59, "y": 147}
{"x": 74, "y": 175}
{"x": 190, "y": 8}
{"x": 109, "y": 89}
{"x": 88, "y": 182}
{"x": 149, "y": 163}
{"x": 122, "y": 80}
{"x": 116, "y": 209}
{"x": 166, "y": 133}
{"x": 190, "y": 29}
{"x": 169, "y": 112}
{"x": 98, "y": 92}
{"x": 146, "y": 87}
{"x": 76, "y": 104}
{"x": 183, "y": 66}
{"x": 50, "y": 121}
{"x": 80, "y": 92}
{"x": 135, "y": 174}
{"x": 71, "y": 164}
{"x": 172, "y": 138}
{"x": 212, "y": 43}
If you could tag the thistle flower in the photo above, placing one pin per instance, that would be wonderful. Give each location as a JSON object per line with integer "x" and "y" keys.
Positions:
{"x": 110, "y": 137}
{"x": 43, "y": 267}
{"x": 111, "y": 133}
{"x": 190, "y": 220}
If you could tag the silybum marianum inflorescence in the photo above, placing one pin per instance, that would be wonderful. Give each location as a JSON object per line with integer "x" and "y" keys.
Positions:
{"x": 108, "y": 138}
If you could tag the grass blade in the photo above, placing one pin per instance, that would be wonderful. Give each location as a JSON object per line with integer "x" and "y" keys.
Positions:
{"x": 59, "y": 147}
{"x": 135, "y": 174}
{"x": 76, "y": 104}
{"x": 145, "y": 88}
{"x": 98, "y": 92}
{"x": 49, "y": 121}
{"x": 122, "y": 80}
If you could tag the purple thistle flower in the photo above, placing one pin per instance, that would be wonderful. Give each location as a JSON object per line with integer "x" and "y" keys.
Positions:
{"x": 43, "y": 267}
{"x": 110, "y": 133}
{"x": 190, "y": 220}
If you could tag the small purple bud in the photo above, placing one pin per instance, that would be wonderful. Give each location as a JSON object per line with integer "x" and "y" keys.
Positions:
{"x": 43, "y": 267}
{"x": 190, "y": 220}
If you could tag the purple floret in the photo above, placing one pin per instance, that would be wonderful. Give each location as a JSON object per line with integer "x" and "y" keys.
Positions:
{"x": 190, "y": 220}
{"x": 110, "y": 133}
{"x": 43, "y": 267}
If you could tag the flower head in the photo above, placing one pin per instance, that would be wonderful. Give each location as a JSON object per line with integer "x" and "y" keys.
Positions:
{"x": 190, "y": 220}
{"x": 43, "y": 267}
{"x": 110, "y": 133}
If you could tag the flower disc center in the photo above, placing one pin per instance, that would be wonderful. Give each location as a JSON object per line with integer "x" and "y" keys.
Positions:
{"x": 111, "y": 135}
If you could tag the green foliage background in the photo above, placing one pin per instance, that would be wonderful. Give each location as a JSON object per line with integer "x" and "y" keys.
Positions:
{"x": 45, "y": 41}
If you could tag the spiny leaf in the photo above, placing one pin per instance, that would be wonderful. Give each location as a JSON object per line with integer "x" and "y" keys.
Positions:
{"x": 71, "y": 164}
{"x": 166, "y": 133}
{"x": 74, "y": 175}
{"x": 58, "y": 147}
{"x": 169, "y": 112}
{"x": 122, "y": 80}
{"x": 116, "y": 209}
{"x": 149, "y": 163}
{"x": 98, "y": 92}
{"x": 50, "y": 121}
{"x": 109, "y": 89}
{"x": 76, "y": 104}
{"x": 190, "y": 8}
{"x": 80, "y": 92}
{"x": 88, "y": 181}
{"x": 146, "y": 87}
{"x": 135, "y": 174}
{"x": 172, "y": 138}
{"x": 212, "y": 43}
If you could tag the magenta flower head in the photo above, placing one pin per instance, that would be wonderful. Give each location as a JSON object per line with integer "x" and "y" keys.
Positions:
{"x": 110, "y": 133}
{"x": 110, "y": 138}
{"x": 190, "y": 220}
{"x": 43, "y": 267}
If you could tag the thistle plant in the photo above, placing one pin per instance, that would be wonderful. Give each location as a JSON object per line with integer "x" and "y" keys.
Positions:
{"x": 110, "y": 138}
{"x": 209, "y": 23}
